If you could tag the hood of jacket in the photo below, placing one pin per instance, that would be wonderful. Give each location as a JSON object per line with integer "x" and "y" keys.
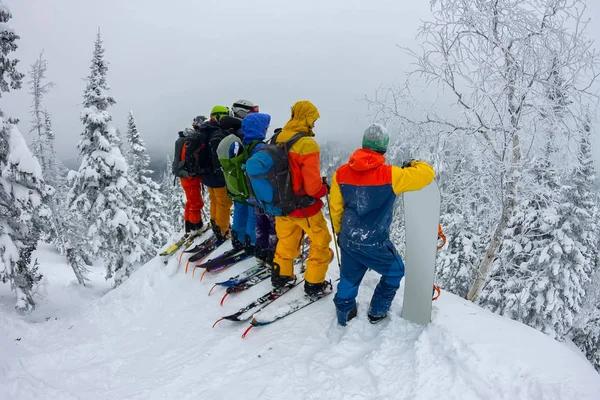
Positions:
{"x": 254, "y": 127}
{"x": 364, "y": 160}
{"x": 304, "y": 115}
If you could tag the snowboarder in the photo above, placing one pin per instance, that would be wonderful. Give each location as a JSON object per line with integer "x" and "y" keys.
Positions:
{"x": 192, "y": 187}
{"x": 305, "y": 167}
{"x": 220, "y": 204}
{"x": 363, "y": 192}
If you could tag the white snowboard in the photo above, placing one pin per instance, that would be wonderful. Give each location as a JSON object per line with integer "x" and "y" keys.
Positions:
{"x": 421, "y": 219}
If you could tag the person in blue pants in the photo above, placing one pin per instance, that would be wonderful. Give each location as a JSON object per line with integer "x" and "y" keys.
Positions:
{"x": 363, "y": 192}
{"x": 254, "y": 130}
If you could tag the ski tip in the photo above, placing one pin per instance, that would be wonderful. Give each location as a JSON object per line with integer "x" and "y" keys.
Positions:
{"x": 180, "y": 257}
{"x": 246, "y": 331}
{"x": 187, "y": 264}
{"x": 223, "y": 299}
{"x": 203, "y": 273}
{"x": 217, "y": 321}
{"x": 211, "y": 289}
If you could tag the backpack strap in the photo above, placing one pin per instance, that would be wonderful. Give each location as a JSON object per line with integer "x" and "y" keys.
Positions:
{"x": 287, "y": 145}
{"x": 252, "y": 146}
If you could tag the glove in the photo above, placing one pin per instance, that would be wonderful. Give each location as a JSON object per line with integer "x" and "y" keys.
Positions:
{"x": 408, "y": 163}
{"x": 322, "y": 192}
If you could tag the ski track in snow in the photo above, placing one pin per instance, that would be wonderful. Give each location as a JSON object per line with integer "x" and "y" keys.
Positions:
{"x": 152, "y": 339}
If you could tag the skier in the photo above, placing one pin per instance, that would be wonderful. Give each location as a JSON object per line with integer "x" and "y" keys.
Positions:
{"x": 220, "y": 204}
{"x": 253, "y": 131}
{"x": 305, "y": 167}
{"x": 266, "y": 236}
{"x": 193, "y": 190}
{"x": 363, "y": 192}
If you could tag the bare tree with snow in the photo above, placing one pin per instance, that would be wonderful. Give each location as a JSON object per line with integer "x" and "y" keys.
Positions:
{"x": 494, "y": 59}
{"x": 38, "y": 87}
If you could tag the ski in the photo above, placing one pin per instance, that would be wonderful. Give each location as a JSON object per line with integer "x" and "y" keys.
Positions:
{"x": 247, "y": 284}
{"x": 200, "y": 246}
{"x": 222, "y": 259}
{"x": 243, "y": 276}
{"x": 255, "y": 279}
{"x": 266, "y": 316}
{"x": 185, "y": 241}
{"x": 251, "y": 277}
{"x": 223, "y": 264}
{"x": 248, "y": 311}
{"x": 204, "y": 252}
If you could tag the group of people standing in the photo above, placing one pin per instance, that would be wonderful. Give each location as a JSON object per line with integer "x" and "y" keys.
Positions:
{"x": 361, "y": 204}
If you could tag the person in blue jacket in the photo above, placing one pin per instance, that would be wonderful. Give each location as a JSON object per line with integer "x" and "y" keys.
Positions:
{"x": 363, "y": 192}
{"x": 254, "y": 130}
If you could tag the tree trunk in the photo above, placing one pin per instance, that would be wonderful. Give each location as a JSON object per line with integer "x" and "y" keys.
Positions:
{"x": 514, "y": 174}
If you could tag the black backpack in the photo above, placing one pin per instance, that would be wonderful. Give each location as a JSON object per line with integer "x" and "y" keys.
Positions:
{"x": 192, "y": 155}
{"x": 269, "y": 174}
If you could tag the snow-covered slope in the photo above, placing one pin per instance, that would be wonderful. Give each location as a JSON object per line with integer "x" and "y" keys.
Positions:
{"x": 152, "y": 339}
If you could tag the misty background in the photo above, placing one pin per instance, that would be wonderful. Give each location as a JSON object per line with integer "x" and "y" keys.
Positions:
{"x": 170, "y": 61}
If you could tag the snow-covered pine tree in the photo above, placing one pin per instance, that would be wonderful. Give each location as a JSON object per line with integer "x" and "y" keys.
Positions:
{"x": 23, "y": 212}
{"x": 465, "y": 219}
{"x": 148, "y": 201}
{"x": 22, "y": 190}
{"x": 174, "y": 198}
{"x": 586, "y": 332}
{"x": 100, "y": 189}
{"x": 38, "y": 88}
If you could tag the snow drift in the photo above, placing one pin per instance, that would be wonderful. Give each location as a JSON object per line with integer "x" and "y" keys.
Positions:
{"x": 151, "y": 338}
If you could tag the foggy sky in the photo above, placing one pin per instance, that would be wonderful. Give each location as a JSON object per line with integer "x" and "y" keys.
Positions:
{"x": 172, "y": 60}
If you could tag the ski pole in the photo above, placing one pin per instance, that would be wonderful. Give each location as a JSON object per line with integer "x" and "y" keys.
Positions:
{"x": 337, "y": 252}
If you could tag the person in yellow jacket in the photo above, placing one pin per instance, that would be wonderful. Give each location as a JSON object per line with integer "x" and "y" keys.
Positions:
{"x": 305, "y": 167}
{"x": 362, "y": 198}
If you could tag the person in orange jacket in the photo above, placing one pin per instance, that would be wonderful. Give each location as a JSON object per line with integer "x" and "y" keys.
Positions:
{"x": 305, "y": 167}
{"x": 192, "y": 187}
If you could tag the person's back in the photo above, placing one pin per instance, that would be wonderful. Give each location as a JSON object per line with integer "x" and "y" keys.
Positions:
{"x": 363, "y": 192}
{"x": 220, "y": 204}
{"x": 307, "y": 218}
{"x": 369, "y": 188}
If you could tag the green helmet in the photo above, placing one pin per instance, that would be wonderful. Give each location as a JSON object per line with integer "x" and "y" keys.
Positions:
{"x": 376, "y": 138}
{"x": 219, "y": 111}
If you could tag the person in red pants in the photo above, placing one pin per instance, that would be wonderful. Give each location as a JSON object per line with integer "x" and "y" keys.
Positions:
{"x": 193, "y": 195}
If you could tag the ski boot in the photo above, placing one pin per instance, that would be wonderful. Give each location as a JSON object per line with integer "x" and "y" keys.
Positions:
{"x": 317, "y": 289}
{"x": 235, "y": 242}
{"x": 250, "y": 249}
{"x": 280, "y": 281}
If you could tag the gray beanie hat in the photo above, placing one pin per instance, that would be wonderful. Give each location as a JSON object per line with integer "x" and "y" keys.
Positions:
{"x": 376, "y": 138}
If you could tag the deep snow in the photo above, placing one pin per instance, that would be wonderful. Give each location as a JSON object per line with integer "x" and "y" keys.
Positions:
{"x": 152, "y": 339}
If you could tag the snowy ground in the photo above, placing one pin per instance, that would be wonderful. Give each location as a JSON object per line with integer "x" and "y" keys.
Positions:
{"x": 152, "y": 339}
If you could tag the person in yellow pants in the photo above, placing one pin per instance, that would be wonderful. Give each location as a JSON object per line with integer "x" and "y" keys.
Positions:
{"x": 220, "y": 204}
{"x": 305, "y": 167}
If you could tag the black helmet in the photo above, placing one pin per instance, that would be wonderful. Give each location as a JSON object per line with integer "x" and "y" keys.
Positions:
{"x": 198, "y": 120}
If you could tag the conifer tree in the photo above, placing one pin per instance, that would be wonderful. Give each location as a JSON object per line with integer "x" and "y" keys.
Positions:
{"x": 22, "y": 190}
{"x": 174, "y": 198}
{"x": 148, "y": 201}
{"x": 99, "y": 190}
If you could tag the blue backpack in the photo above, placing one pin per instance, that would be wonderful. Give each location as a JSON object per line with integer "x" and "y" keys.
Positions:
{"x": 269, "y": 174}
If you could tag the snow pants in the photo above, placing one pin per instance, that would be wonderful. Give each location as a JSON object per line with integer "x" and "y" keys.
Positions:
{"x": 220, "y": 207}
{"x": 244, "y": 222}
{"x": 356, "y": 260}
{"x": 289, "y": 232}
{"x": 266, "y": 237}
{"x": 193, "y": 199}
